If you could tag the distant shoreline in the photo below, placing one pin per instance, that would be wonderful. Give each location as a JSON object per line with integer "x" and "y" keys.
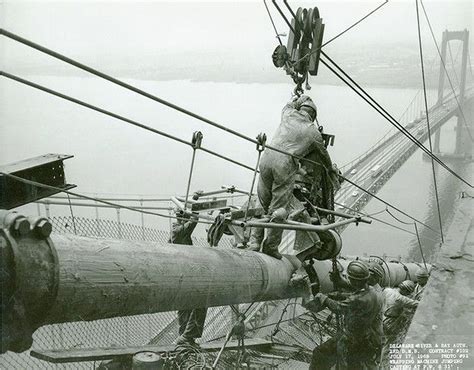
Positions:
{"x": 380, "y": 81}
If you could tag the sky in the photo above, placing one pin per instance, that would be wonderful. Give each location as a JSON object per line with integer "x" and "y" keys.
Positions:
{"x": 132, "y": 32}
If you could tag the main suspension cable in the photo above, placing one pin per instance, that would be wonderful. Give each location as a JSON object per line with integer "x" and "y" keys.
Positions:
{"x": 371, "y": 216}
{"x": 420, "y": 46}
{"x": 446, "y": 71}
{"x": 388, "y": 204}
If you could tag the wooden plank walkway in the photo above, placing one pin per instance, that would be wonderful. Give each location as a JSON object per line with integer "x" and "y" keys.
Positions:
{"x": 97, "y": 354}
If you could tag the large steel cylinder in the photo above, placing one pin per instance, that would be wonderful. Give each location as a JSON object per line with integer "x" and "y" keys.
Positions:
{"x": 65, "y": 278}
{"x": 100, "y": 278}
{"x": 71, "y": 278}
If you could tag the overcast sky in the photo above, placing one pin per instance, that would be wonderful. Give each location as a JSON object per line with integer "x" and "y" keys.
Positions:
{"x": 104, "y": 31}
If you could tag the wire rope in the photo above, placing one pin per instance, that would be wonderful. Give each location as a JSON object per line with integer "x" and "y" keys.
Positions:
{"x": 435, "y": 183}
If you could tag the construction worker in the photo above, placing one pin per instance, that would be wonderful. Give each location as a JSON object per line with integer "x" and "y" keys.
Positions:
{"x": 191, "y": 322}
{"x": 356, "y": 347}
{"x": 377, "y": 274}
{"x": 398, "y": 311}
{"x": 422, "y": 276}
{"x": 299, "y": 136}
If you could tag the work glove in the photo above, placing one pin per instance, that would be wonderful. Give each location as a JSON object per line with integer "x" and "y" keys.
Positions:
{"x": 335, "y": 276}
{"x": 337, "y": 296}
{"x": 279, "y": 215}
{"x": 300, "y": 281}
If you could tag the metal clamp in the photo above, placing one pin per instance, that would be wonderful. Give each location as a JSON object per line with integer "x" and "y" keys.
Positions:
{"x": 197, "y": 139}
{"x": 261, "y": 141}
{"x": 196, "y": 144}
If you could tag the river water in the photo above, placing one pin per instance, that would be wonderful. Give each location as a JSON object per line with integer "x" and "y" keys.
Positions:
{"x": 114, "y": 158}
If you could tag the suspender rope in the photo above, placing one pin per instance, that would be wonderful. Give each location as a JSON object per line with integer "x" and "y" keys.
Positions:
{"x": 196, "y": 143}
{"x": 435, "y": 183}
{"x": 419, "y": 244}
{"x": 261, "y": 139}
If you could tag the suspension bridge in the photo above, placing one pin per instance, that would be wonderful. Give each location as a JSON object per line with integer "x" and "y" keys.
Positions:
{"x": 370, "y": 171}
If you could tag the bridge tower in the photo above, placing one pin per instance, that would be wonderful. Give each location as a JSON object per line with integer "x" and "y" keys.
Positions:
{"x": 463, "y": 145}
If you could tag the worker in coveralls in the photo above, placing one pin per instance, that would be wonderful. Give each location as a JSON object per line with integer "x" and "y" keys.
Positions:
{"x": 422, "y": 276}
{"x": 399, "y": 309}
{"x": 377, "y": 274}
{"x": 299, "y": 136}
{"x": 191, "y": 322}
{"x": 357, "y": 345}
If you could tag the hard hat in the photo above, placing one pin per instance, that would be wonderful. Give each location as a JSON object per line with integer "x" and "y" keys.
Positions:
{"x": 309, "y": 103}
{"x": 422, "y": 272}
{"x": 376, "y": 269}
{"x": 407, "y": 285}
{"x": 358, "y": 270}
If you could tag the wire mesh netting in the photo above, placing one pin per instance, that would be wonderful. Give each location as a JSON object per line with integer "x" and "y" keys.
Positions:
{"x": 121, "y": 331}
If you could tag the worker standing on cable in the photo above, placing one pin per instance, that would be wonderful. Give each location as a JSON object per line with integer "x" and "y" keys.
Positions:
{"x": 356, "y": 346}
{"x": 422, "y": 276}
{"x": 191, "y": 322}
{"x": 298, "y": 135}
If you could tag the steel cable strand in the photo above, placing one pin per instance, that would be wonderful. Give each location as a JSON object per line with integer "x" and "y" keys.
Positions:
{"x": 388, "y": 204}
{"x": 342, "y": 32}
{"x": 374, "y": 104}
{"x": 115, "y": 205}
{"x": 379, "y": 141}
{"x": 428, "y": 120}
{"x": 382, "y": 221}
{"x": 47, "y": 51}
{"x": 445, "y": 69}
{"x": 379, "y": 110}
{"x": 100, "y": 110}
{"x": 134, "y": 89}
{"x": 116, "y": 116}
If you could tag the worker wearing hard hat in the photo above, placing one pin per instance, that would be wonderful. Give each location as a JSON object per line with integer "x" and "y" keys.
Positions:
{"x": 422, "y": 276}
{"x": 297, "y": 135}
{"x": 357, "y": 346}
{"x": 398, "y": 309}
{"x": 376, "y": 277}
{"x": 191, "y": 322}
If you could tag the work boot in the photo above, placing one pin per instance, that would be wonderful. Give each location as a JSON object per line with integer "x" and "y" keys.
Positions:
{"x": 253, "y": 247}
{"x": 182, "y": 341}
{"x": 256, "y": 238}
{"x": 272, "y": 253}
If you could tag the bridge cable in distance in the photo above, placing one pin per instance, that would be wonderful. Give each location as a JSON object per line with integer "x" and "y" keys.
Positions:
{"x": 435, "y": 183}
